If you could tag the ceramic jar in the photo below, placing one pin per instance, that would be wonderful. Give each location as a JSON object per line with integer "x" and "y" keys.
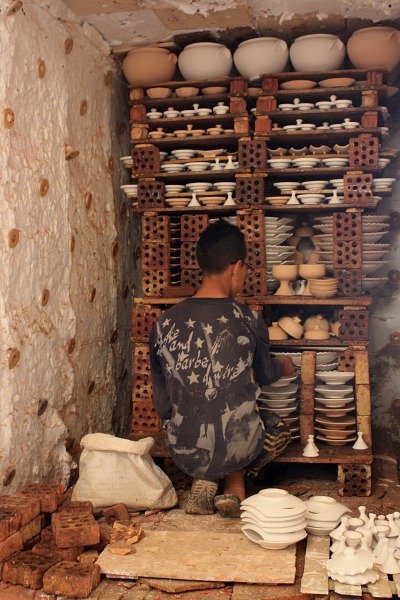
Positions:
{"x": 261, "y": 55}
{"x": 375, "y": 48}
{"x": 292, "y": 326}
{"x": 205, "y": 60}
{"x": 276, "y": 332}
{"x": 317, "y": 320}
{"x": 148, "y": 65}
{"x": 317, "y": 52}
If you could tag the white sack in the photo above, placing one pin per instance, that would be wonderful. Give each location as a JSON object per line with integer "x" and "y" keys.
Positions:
{"x": 113, "y": 470}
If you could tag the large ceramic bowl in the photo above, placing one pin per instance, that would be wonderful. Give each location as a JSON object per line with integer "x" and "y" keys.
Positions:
{"x": 317, "y": 52}
{"x": 149, "y": 64}
{"x": 324, "y": 508}
{"x": 205, "y": 60}
{"x": 261, "y": 55}
{"x": 276, "y": 503}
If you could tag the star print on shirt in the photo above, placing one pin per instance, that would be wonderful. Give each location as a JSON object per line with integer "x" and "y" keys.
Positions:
{"x": 166, "y": 322}
{"x": 222, "y": 319}
{"x": 193, "y": 378}
{"x": 218, "y": 366}
{"x": 199, "y": 343}
{"x": 208, "y": 329}
{"x": 190, "y": 323}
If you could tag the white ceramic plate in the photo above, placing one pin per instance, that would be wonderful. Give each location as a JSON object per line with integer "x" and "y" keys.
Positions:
{"x": 337, "y": 391}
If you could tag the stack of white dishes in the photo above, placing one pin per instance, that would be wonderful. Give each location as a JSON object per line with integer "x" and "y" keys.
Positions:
{"x": 127, "y": 161}
{"x": 274, "y": 519}
{"x": 326, "y": 360}
{"x": 280, "y": 398}
{"x": 130, "y": 189}
{"x": 323, "y": 514}
{"x": 335, "y": 422}
{"x": 277, "y": 231}
{"x": 383, "y": 184}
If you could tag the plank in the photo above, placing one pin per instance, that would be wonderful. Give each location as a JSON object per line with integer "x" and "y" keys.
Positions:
{"x": 396, "y": 580}
{"x": 206, "y": 555}
{"x": 315, "y": 576}
{"x": 380, "y": 589}
{"x": 347, "y": 590}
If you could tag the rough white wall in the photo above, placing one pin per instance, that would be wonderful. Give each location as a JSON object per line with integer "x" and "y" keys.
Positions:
{"x": 70, "y": 348}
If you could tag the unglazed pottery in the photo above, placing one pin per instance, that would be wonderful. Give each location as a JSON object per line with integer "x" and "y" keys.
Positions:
{"x": 205, "y": 60}
{"x": 350, "y": 561}
{"x": 285, "y": 274}
{"x": 261, "y": 55}
{"x": 316, "y": 320}
{"x": 317, "y": 52}
{"x": 149, "y": 64}
{"x": 292, "y": 326}
{"x": 310, "y": 450}
{"x": 276, "y": 332}
{"x": 375, "y": 48}
{"x": 325, "y": 508}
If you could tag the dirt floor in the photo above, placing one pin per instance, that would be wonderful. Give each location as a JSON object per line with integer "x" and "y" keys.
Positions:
{"x": 301, "y": 480}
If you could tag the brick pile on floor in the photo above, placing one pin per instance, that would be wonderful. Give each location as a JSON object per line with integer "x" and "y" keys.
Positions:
{"x": 35, "y": 556}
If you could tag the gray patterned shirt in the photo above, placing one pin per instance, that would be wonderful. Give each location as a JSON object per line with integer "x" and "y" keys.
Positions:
{"x": 202, "y": 353}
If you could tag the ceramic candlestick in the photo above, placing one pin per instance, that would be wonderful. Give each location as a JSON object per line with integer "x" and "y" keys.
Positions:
{"x": 360, "y": 444}
{"x": 311, "y": 450}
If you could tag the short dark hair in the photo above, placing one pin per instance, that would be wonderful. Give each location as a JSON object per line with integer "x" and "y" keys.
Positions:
{"x": 220, "y": 245}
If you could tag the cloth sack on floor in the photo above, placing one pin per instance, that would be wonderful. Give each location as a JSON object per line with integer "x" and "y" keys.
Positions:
{"x": 113, "y": 470}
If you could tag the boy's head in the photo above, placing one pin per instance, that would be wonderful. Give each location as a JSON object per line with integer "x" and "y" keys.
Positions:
{"x": 220, "y": 245}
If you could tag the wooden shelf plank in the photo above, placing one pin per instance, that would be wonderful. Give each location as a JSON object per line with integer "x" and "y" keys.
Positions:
{"x": 182, "y": 103}
{"x": 205, "y": 141}
{"x": 207, "y": 121}
{"x": 265, "y": 207}
{"x": 327, "y": 455}
{"x": 274, "y": 300}
{"x": 315, "y": 576}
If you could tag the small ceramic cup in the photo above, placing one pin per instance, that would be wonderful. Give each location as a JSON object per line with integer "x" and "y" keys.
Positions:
{"x": 353, "y": 538}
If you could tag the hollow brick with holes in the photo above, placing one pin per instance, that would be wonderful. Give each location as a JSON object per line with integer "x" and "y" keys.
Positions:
{"x": 27, "y": 569}
{"x": 252, "y": 154}
{"x": 142, "y": 390}
{"x": 141, "y": 359}
{"x": 250, "y": 190}
{"x": 358, "y": 188}
{"x": 238, "y": 85}
{"x": 146, "y": 159}
{"x": 251, "y": 224}
{"x": 145, "y": 418}
{"x": 349, "y": 282}
{"x": 26, "y": 506}
{"x": 74, "y": 530}
{"x": 348, "y": 254}
{"x": 191, "y": 278}
{"x": 192, "y": 226}
{"x": 256, "y": 254}
{"x": 346, "y": 360}
{"x": 151, "y": 193}
{"x": 354, "y": 480}
{"x": 237, "y": 105}
{"x": 155, "y": 256}
{"x": 347, "y": 226}
{"x": 353, "y": 325}
{"x": 364, "y": 151}
{"x": 71, "y": 579}
{"x": 154, "y": 282}
{"x": 188, "y": 258}
{"x": 255, "y": 284}
{"x": 155, "y": 228}
{"x": 49, "y": 495}
{"x": 143, "y": 319}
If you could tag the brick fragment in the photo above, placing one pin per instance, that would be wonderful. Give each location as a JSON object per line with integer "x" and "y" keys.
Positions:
{"x": 121, "y": 548}
{"x": 28, "y": 507}
{"x": 77, "y": 507}
{"x": 74, "y": 530}
{"x": 9, "y": 523}
{"x": 10, "y": 545}
{"x": 47, "y": 546}
{"x": 71, "y": 579}
{"x": 126, "y": 532}
{"x": 31, "y": 529}
{"x": 88, "y": 558}
{"x": 50, "y": 496}
{"x": 27, "y": 569}
{"x": 119, "y": 511}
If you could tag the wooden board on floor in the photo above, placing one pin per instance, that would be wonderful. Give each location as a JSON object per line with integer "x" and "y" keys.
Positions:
{"x": 344, "y": 589}
{"x": 315, "y": 575}
{"x": 193, "y": 555}
{"x": 380, "y": 589}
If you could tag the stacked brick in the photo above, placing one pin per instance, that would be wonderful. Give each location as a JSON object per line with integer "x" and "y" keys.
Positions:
{"x": 48, "y": 561}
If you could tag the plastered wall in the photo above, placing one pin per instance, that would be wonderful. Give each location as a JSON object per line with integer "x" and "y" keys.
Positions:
{"x": 65, "y": 274}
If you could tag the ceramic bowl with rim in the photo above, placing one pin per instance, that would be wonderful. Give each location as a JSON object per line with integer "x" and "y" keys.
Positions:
{"x": 298, "y": 84}
{"x": 305, "y": 162}
{"x": 369, "y": 283}
{"x": 336, "y": 82}
{"x": 174, "y": 188}
{"x": 287, "y": 186}
{"x": 200, "y": 186}
{"x": 256, "y": 537}
{"x": 279, "y": 163}
{"x": 213, "y": 90}
{"x": 275, "y": 502}
{"x": 183, "y": 153}
{"x": 325, "y": 508}
{"x": 186, "y": 91}
{"x": 283, "y": 381}
{"x": 172, "y": 168}
{"x": 335, "y": 162}
{"x": 370, "y": 267}
{"x": 334, "y": 391}
{"x": 198, "y": 166}
{"x": 335, "y": 377}
{"x": 315, "y": 185}
{"x": 310, "y": 198}
{"x": 280, "y": 392}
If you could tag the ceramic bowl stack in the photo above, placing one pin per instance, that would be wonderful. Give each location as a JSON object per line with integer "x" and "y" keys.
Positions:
{"x": 274, "y": 519}
{"x": 280, "y": 398}
{"x": 326, "y": 360}
{"x": 323, "y": 514}
{"x": 277, "y": 231}
{"x": 335, "y": 422}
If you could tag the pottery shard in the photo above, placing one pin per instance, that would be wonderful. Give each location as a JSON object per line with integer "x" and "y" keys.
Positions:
{"x": 31, "y": 529}
{"x": 49, "y": 496}
{"x": 10, "y": 545}
{"x": 77, "y": 507}
{"x": 126, "y": 532}
{"x": 88, "y": 558}
{"x": 118, "y": 511}
{"x": 74, "y": 530}
{"x": 27, "y": 569}
{"x": 121, "y": 548}
{"x": 9, "y": 523}
{"x": 28, "y": 507}
{"x": 174, "y": 586}
{"x": 71, "y": 579}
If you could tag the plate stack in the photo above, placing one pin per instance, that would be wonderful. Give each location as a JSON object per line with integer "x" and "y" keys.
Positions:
{"x": 323, "y": 514}
{"x": 274, "y": 519}
{"x": 277, "y": 231}
{"x": 281, "y": 398}
{"x": 335, "y": 419}
{"x": 326, "y": 360}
